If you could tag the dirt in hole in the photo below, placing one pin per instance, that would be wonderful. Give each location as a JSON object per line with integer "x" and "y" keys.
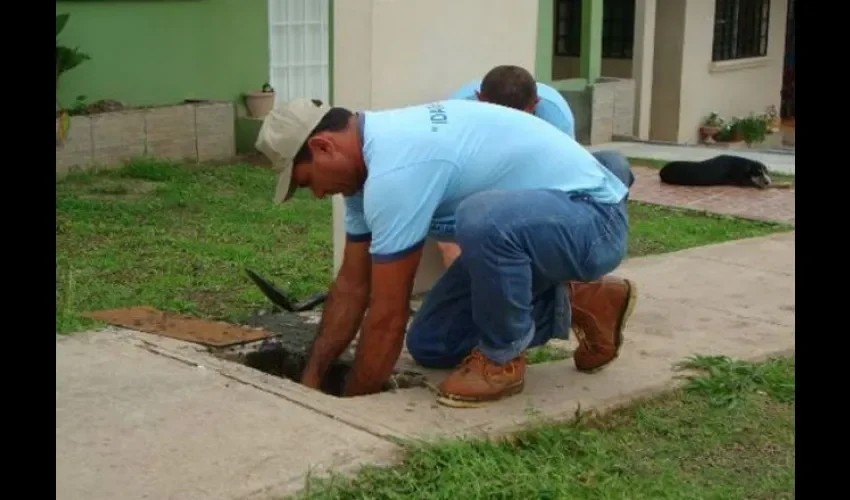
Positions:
{"x": 273, "y": 358}
{"x": 292, "y": 331}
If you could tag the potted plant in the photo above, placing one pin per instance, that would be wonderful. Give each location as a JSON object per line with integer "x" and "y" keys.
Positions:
{"x": 774, "y": 122}
{"x": 729, "y": 132}
{"x": 66, "y": 59}
{"x": 753, "y": 128}
{"x": 710, "y": 127}
{"x": 260, "y": 103}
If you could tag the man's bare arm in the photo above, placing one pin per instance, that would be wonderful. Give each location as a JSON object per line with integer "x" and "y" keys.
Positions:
{"x": 342, "y": 313}
{"x": 382, "y": 336}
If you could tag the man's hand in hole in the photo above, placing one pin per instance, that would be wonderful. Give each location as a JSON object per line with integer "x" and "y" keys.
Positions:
{"x": 343, "y": 311}
{"x": 382, "y": 336}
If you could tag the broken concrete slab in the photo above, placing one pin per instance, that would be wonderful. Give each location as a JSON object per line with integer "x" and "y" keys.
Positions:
{"x": 133, "y": 424}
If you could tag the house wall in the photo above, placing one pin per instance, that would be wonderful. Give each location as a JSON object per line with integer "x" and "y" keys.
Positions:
{"x": 149, "y": 53}
{"x": 391, "y": 53}
{"x": 395, "y": 52}
{"x": 687, "y": 85}
{"x": 564, "y": 68}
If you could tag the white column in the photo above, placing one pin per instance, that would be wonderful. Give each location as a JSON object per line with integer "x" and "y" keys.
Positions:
{"x": 338, "y": 207}
{"x": 642, "y": 60}
{"x": 430, "y": 268}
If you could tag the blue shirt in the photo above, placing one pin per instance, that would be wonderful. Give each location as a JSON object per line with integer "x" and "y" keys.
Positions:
{"x": 552, "y": 107}
{"x": 422, "y": 161}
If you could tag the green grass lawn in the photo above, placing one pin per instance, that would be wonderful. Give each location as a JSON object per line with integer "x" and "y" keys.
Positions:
{"x": 729, "y": 434}
{"x": 179, "y": 237}
{"x": 732, "y": 422}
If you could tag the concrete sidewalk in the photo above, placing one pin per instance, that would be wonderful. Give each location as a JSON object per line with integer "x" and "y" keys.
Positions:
{"x": 132, "y": 424}
{"x": 783, "y": 163}
{"x": 142, "y": 416}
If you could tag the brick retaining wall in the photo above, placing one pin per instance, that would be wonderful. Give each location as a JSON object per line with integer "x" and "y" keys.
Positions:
{"x": 186, "y": 132}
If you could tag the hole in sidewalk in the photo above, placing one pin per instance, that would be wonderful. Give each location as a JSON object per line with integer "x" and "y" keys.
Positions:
{"x": 285, "y": 355}
{"x": 275, "y": 359}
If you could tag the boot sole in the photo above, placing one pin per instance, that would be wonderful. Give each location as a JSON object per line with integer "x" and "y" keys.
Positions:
{"x": 621, "y": 325}
{"x": 457, "y": 402}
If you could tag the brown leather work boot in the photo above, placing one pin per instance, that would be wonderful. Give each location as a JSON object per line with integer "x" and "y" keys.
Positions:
{"x": 600, "y": 310}
{"x": 478, "y": 381}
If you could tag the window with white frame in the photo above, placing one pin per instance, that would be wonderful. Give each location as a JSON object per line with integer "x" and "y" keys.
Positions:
{"x": 299, "y": 49}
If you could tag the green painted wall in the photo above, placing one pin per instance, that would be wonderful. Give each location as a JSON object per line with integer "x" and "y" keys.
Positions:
{"x": 545, "y": 40}
{"x": 161, "y": 52}
{"x": 546, "y": 49}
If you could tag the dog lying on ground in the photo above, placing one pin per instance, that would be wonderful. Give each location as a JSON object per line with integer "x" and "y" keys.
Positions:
{"x": 722, "y": 170}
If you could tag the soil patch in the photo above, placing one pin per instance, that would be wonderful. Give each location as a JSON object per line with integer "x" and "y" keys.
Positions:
{"x": 110, "y": 189}
{"x": 181, "y": 327}
{"x": 81, "y": 108}
{"x": 293, "y": 332}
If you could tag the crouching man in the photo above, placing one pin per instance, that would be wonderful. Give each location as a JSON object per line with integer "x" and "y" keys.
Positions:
{"x": 514, "y": 87}
{"x": 538, "y": 222}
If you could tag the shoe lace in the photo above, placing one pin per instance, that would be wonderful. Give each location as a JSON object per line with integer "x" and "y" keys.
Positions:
{"x": 580, "y": 330}
{"x": 476, "y": 361}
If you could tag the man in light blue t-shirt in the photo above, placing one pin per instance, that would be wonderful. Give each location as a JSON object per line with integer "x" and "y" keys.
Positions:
{"x": 538, "y": 219}
{"x": 515, "y": 87}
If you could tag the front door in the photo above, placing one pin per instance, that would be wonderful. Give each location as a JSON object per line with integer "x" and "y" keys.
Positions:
{"x": 299, "y": 35}
{"x": 788, "y": 87}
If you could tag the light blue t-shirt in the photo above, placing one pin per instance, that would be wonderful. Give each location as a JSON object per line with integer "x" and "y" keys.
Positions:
{"x": 552, "y": 106}
{"x": 422, "y": 161}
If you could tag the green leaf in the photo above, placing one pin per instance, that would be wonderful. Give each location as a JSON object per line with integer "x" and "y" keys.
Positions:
{"x": 68, "y": 59}
{"x": 61, "y": 21}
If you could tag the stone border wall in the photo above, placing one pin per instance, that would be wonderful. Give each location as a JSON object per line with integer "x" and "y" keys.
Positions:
{"x": 603, "y": 110}
{"x": 612, "y": 109}
{"x": 193, "y": 132}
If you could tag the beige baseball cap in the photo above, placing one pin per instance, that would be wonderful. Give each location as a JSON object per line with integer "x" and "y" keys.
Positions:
{"x": 285, "y": 129}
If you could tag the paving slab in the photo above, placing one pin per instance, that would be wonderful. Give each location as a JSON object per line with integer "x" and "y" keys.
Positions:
{"x": 783, "y": 162}
{"x": 146, "y": 416}
{"x": 774, "y": 205}
{"x": 133, "y": 424}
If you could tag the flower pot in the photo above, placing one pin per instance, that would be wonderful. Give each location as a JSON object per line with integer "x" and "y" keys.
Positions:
{"x": 737, "y": 136}
{"x": 775, "y": 125}
{"x": 707, "y": 133}
{"x": 259, "y": 103}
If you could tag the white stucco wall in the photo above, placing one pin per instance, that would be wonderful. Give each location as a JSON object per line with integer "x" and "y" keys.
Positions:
{"x": 687, "y": 85}
{"x": 390, "y": 53}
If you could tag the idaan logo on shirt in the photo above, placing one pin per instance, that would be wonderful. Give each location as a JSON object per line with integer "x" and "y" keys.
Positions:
{"x": 437, "y": 115}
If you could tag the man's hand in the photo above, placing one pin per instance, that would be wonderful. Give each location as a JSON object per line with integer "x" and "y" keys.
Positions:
{"x": 449, "y": 251}
{"x": 342, "y": 313}
{"x": 383, "y": 330}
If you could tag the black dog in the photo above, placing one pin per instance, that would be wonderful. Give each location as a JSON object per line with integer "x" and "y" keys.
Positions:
{"x": 723, "y": 170}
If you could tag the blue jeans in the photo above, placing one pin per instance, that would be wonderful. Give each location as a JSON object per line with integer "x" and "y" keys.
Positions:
{"x": 505, "y": 293}
{"x": 617, "y": 164}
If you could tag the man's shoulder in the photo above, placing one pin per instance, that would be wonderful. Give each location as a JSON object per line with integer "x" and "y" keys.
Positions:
{"x": 550, "y": 94}
{"x": 553, "y": 108}
{"x": 467, "y": 91}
